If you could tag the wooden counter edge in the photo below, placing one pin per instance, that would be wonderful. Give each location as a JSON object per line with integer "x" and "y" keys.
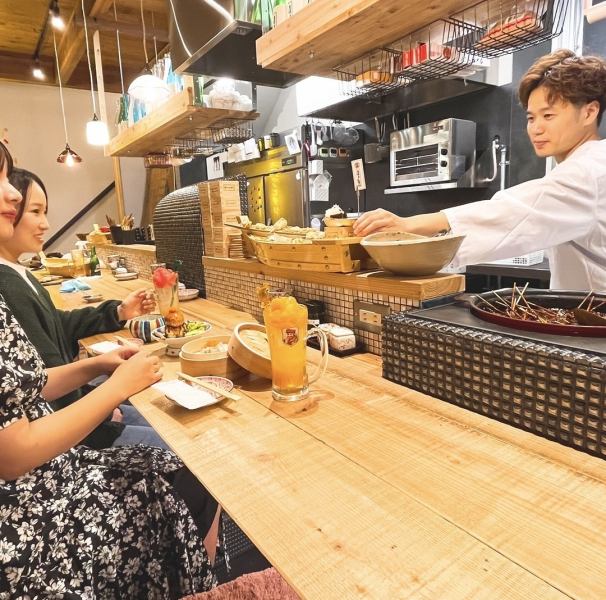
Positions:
{"x": 422, "y": 288}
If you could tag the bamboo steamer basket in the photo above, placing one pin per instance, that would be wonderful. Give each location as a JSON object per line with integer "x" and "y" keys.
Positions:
{"x": 216, "y": 363}
{"x": 248, "y": 346}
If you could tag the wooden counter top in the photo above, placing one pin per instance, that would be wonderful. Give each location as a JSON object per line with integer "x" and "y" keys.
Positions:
{"x": 118, "y": 248}
{"x": 377, "y": 282}
{"x": 372, "y": 490}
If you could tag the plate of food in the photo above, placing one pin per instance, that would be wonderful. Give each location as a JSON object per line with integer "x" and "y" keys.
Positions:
{"x": 335, "y": 216}
{"x": 175, "y": 337}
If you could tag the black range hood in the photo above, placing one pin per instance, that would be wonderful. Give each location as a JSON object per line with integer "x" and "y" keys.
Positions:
{"x": 206, "y": 39}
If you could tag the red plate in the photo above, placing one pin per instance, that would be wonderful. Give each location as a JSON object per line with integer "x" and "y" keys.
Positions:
{"x": 547, "y": 299}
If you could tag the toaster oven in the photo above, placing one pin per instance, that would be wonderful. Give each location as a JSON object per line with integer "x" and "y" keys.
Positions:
{"x": 435, "y": 152}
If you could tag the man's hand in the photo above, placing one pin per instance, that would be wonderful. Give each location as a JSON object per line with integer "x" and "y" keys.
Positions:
{"x": 378, "y": 220}
{"x": 137, "y": 303}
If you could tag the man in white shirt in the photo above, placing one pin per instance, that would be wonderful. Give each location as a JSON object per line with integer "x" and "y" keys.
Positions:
{"x": 565, "y": 211}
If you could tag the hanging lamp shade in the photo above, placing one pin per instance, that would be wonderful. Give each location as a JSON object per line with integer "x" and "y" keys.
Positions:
{"x": 97, "y": 133}
{"x": 149, "y": 88}
{"x": 68, "y": 157}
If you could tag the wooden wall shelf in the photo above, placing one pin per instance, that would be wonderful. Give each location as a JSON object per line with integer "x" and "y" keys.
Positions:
{"x": 177, "y": 118}
{"x": 326, "y": 34}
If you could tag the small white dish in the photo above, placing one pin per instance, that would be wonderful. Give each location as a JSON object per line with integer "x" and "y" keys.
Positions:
{"x": 103, "y": 347}
{"x": 91, "y": 298}
{"x": 126, "y": 276}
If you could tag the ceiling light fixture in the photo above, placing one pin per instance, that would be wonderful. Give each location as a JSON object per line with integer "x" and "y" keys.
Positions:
{"x": 55, "y": 16}
{"x": 97, "y": 133}
{"x": 37, "y": 71}
{"x": 67, "y": 157}
{"x": 147, "y": 87}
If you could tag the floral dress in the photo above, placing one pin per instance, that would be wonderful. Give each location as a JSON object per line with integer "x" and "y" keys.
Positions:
{"x": 89, "y": 523}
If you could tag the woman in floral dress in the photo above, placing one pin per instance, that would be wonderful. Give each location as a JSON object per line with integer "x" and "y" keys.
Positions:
{"x": 75, "y": 522}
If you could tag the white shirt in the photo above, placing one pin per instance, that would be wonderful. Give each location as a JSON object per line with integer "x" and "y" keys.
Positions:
{"x": 20, "y": 269}
{"x": 563, "y": 212}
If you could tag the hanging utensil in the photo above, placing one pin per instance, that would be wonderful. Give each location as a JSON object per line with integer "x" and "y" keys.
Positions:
{"x": 313, "y": 147}
{"x": 319, "y": 140}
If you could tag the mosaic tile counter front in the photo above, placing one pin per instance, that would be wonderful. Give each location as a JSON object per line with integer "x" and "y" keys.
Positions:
{"x": 238, "y": 289}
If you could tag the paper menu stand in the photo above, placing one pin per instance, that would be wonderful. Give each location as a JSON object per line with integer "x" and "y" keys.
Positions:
{"x": 357, "y": 168}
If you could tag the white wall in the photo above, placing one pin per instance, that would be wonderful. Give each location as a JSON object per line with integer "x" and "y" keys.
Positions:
{"x": 31, "y": 114}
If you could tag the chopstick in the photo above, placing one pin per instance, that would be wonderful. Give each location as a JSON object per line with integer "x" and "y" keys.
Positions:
{"x": 209, "y": 386}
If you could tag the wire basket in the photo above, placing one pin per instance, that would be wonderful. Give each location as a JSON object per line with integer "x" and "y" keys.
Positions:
{"x": 237, "y": 133}
{"x": 505, "y": 26}
{"x": 188, "y": 147}
{"x": 440, "y": 49}
{"x": 372, "y": 75}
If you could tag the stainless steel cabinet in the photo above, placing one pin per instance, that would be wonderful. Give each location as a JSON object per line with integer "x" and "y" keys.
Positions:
{"x": 285, "y": 196}
{"x": 256, "y": 199}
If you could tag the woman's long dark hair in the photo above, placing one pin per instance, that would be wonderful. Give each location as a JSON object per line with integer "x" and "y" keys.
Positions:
{"x": 6, "y": 160}
{"x": 22, "y": 180}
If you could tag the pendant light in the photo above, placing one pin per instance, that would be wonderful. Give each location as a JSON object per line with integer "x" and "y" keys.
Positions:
{"x": 37, "y": 71}
{"x": 97, "y": 133}
{"x": 67, "y": 157}
{"x": 147, "y": 87}
{"x": 55, "y": 16}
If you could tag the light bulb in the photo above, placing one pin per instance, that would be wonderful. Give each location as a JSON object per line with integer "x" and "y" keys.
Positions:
{"x": 38, "y": 73}
{"x": 55, "y": 15}
{"x": 69, "y": 160}
{"x": 97, "y": 133}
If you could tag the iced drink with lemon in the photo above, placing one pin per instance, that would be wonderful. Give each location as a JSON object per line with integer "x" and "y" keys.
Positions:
{"x": 286, "y": 326}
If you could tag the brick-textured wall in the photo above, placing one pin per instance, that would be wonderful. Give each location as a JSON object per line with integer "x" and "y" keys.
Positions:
{"x": 238, "y": 289}
{"x": 138, "y": 258}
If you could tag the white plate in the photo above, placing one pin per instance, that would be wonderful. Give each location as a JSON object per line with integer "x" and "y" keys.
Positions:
{"x": 126, "y": 276}
{"x": 186, "y": 395}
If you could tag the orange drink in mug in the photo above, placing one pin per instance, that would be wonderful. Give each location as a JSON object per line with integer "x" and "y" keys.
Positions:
{"x": 286, "y": 327}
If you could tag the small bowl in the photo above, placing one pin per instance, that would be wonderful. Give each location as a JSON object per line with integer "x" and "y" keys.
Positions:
{"x": 411, "y": 254}
{"x": 142, "y": 327}
{"x": 188, "y": 294}
{"x": 220, "y": 382}
{"x": 195, "y": 363}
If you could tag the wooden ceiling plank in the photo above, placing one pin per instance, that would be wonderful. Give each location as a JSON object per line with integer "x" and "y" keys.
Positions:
{"x": 18, "y": 67}
{"x": 128, "y": 29}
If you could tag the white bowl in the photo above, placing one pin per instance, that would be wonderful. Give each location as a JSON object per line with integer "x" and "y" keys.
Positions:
{"x": 174, "y": 344}
{"x": 188, "y": 294}
{"x": 410, "y": 254}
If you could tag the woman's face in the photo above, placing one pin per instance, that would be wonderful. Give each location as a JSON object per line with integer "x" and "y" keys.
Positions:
{"x": 29, "y": 232}
{"x": 9, "y": 199}
{"x": 557, "y": 128}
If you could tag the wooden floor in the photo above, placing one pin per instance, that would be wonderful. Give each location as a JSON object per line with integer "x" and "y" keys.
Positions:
{"x": 372, "y": 490}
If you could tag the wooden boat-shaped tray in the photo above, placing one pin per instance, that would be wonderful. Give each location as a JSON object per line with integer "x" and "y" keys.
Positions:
{"x": 343, "y": 255}
{"x": 546, "y": 299}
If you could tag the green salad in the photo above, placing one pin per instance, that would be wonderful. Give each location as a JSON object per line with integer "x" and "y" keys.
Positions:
{"x": 195, "y": 327}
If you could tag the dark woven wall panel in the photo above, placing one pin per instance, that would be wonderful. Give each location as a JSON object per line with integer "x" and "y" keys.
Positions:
{"x": 554, "y": 392}
{"x": 179, "y": 236}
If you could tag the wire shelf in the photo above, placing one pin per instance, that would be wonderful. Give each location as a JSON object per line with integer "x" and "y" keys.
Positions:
{"x": 372, "y": 75}
{"x": 506, "y": 26}
{"x": 188, "y": 147}
{"x": 233, "y": 134}
{"x": 442, "y": 48}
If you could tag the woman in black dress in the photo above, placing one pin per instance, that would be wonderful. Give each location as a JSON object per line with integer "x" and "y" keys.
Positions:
{"x": 75, "y": 522}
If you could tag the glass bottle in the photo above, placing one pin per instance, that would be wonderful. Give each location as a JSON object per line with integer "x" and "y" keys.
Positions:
{"x": 95, "y": 267}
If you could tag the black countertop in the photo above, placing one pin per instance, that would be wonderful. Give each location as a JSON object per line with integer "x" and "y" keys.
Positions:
{"x": 458, "y": 313}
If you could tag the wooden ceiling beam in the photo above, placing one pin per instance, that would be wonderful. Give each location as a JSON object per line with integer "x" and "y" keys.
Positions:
{"x": 128, "y": 29}
{"x": 18, "y": 67}
{"x": 72, "y": 46}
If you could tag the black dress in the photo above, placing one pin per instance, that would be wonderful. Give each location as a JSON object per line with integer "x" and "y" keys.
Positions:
{"x": 89, "y": 523}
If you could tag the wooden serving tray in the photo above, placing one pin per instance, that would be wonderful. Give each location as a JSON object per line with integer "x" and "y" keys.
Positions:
{"x": 343, "y": 255}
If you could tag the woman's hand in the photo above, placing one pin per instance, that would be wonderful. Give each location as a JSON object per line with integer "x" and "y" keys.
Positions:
{"x": 107, "y": 363}
{"x": 137, "y": 303}
{"x": 136, "y": 373}
{"x": 378, "y": 220}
